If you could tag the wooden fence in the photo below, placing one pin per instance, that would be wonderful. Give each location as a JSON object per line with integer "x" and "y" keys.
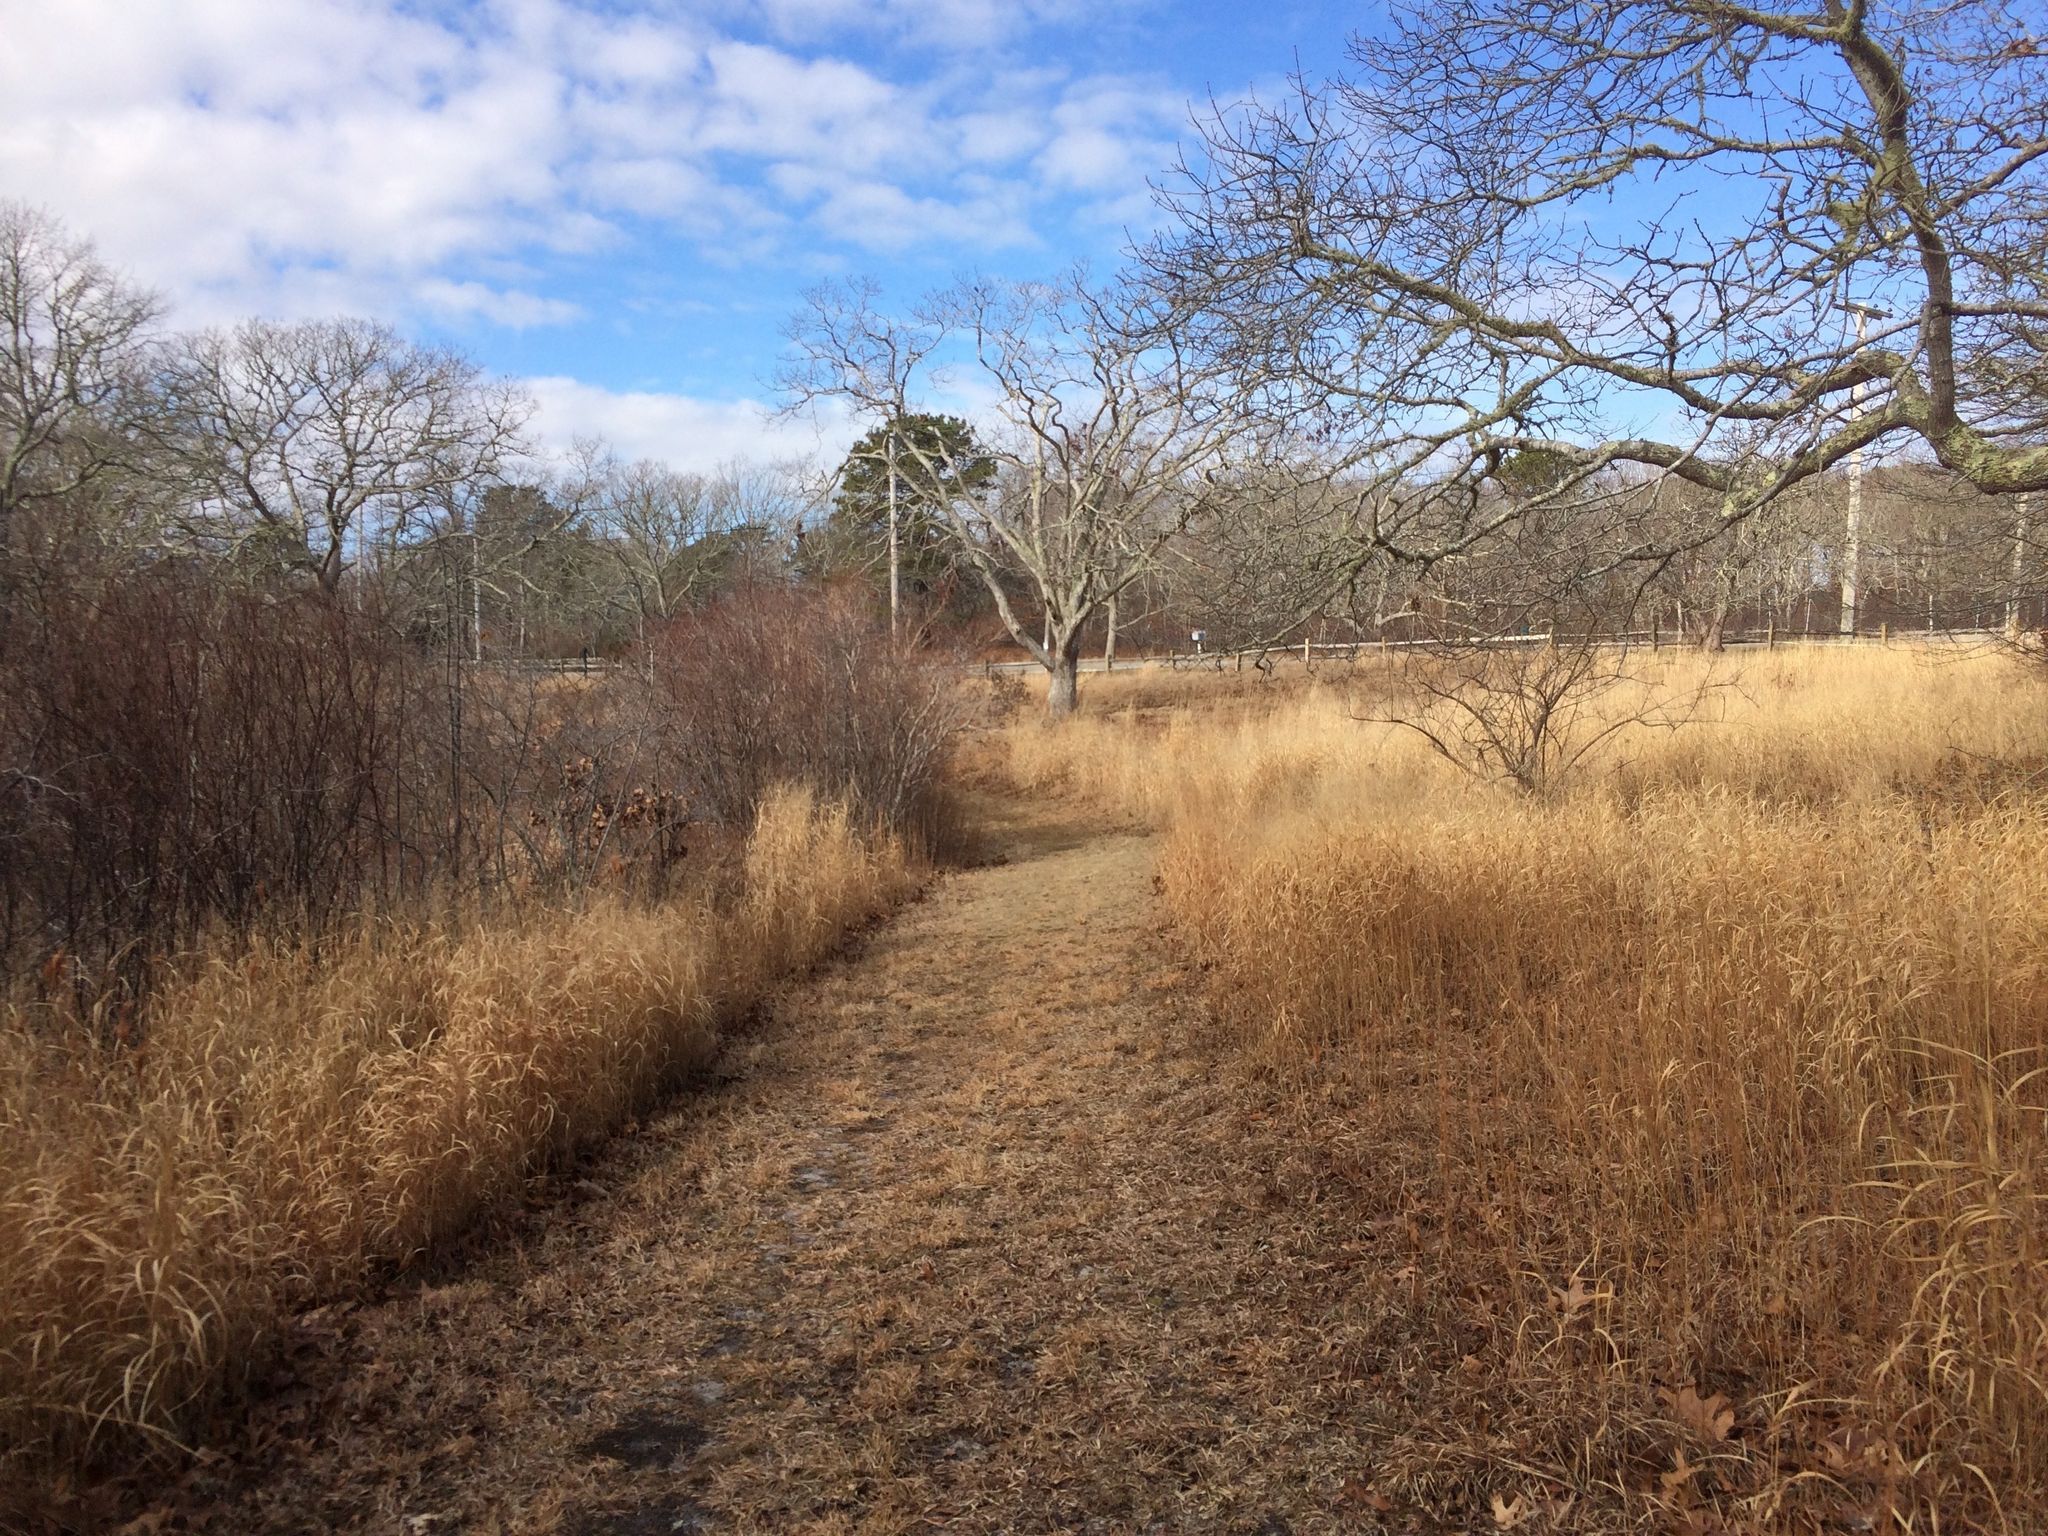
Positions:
{"x": 1351, "y": 651}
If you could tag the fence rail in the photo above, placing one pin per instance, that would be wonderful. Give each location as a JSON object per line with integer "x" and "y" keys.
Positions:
{"x": 1351, "y": 651}
{"x": 579, "y": 666}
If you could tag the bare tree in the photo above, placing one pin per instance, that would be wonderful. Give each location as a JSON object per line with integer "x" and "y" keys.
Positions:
{"x": 1529, "y": 714}
{"x": 655, "y": 522}
{"x": 847, "y": 350}
{"x": 327, "y": 440}
{"x": 1529, "y": 223}
{"x": 72, "y": 369}
{"x": 1103, "y": 440}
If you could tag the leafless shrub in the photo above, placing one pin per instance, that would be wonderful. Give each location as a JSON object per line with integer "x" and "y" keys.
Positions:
{"x": 177, "y": 757}
{"x": 778, "y": 686}
{"x": 1530, "y": 712}
{"x": 180, "y": 758}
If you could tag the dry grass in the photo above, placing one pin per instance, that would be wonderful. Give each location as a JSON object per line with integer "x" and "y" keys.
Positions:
{"x": 968, "y": 1238}
{"x": 292, "y": 1125}
{"x": 1709, "y": 1089}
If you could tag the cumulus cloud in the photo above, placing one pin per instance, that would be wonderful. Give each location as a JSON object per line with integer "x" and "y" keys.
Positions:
{"x": 683, "y": 430}
{"x": 251, "y": 153}
{"x": 948, "y": 24}
{"x": 509, "y": 307}
{"x": 480, "y": 165}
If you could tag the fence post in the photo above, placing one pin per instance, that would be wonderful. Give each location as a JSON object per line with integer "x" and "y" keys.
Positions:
{"x": 1884, "y": 633}
{"x": 1656, "y": 639}
{"x": 1771, "y": 636}
{"x": 1304, "y": 651}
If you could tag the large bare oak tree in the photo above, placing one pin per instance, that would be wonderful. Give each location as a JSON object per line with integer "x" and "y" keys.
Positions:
{"x": 325, "y": 440}
{"x": 73, "y": 365}
{"x": 1635, "y": 233}
{"x": 1104, "y": 436}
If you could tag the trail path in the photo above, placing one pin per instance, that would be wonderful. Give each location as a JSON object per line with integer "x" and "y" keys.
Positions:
{"x": 971, "y": 1235}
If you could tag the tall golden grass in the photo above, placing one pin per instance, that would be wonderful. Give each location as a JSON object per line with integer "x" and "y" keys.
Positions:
{"x": 292, "y": 1123}
{"x": 1718, "y": 1074}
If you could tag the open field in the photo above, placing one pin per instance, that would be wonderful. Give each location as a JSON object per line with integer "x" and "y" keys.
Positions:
{"x": 1286, "y": 1131}
{"x": 1352, "y": 839}
{"x": 1709, "y": 1086}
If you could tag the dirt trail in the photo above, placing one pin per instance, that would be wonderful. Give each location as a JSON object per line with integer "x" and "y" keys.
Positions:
{"x": 971, "y": 1235}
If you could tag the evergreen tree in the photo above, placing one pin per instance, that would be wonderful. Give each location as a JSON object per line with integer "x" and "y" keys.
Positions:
{"x": 856, "y": 535}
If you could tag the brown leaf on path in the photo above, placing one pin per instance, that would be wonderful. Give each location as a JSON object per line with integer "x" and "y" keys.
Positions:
{"x": 1577, "y": 1296}
{"x": 1681, "y": 1473}
{"x": 1361, "y": 1495}
{"x": 1711, "y": 1418}
{"x": 1511, "y": 1513}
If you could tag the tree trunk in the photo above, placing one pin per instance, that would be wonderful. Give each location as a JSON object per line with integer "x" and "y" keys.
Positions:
{"x": 1109, "y": 644}
{"x": 1717, "y": 621}
{"x": 2019, "y": 565}
{"x": 1063, "y": 687}
{"x": 476, "y": 597}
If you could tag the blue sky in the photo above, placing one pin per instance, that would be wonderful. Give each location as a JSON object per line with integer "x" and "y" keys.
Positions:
{"x": 618, "y": 202}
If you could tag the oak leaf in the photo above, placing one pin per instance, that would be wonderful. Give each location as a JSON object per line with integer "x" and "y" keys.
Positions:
{"x": 1708, "y": 1417}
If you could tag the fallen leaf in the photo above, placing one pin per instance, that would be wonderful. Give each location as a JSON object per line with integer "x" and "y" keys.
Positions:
{"x": 1364, "y": 1496}
{"x": 1507, "y": 1514}
{"x": 1681, "y": 1473}
{"x": 1708, "y": 1417}
{"x": 1577, "y": 1296}
{"x": 1854, "y": 1449}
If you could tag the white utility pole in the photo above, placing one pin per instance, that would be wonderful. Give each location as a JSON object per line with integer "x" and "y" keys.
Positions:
{"x": 2022, "y": 515}
{"x": 895, "y": 565}
{"x": 1852, "y": 535}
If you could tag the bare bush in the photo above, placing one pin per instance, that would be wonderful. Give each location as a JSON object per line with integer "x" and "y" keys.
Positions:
{"x": 1528, "y": 714}
{"x": 179, "y": 759}
{"x": 778, "y": 686}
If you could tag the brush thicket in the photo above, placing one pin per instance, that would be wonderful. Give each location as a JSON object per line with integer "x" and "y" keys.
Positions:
{"x": 291, "y": 1123}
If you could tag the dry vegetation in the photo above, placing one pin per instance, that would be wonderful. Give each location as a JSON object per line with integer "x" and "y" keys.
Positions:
{"x": 1707, "y": 1088}
{"x": 291, "y": 1124}
{"x": 280, "y": 1015}
{"x": 1660, "y": 1152}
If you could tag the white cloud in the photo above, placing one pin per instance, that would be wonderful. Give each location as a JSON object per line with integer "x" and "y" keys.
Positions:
{"x": 509, "y": 307}
{"x": 682, "y": 430}
{"x": 229, "y": 140}
{"x": 948, "y": 24}
{"x": 1108, "y": 135}
{"x": 297, "y": 157}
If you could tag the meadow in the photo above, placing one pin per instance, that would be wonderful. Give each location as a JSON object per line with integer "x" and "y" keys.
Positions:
{"x": 294, "y": 1124}
{"x": 1662, "y": 1144}
{"x": 1704, "y": 1088}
